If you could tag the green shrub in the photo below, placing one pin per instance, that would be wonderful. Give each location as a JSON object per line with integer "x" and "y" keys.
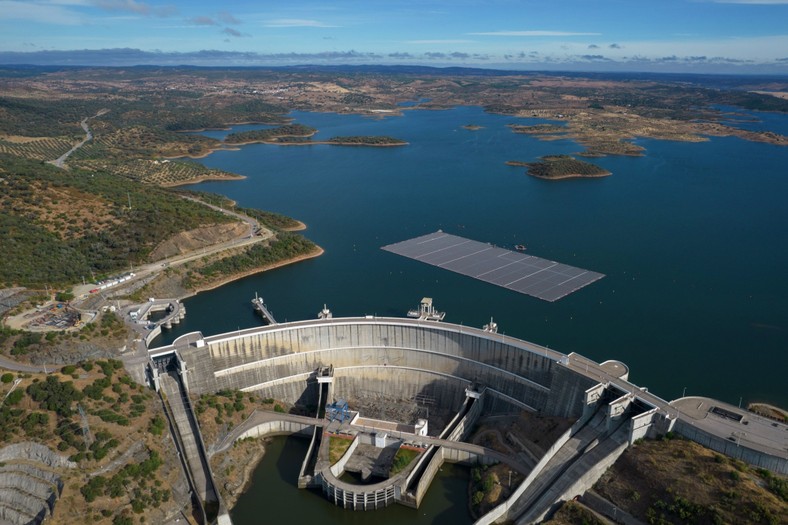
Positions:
{"x": 122, "y": 519}
{"x": 488, "y": 484}
{"x": 156, "y": 426}
{"x": 64, "y": 297}
{"x": 779, "y": 486}
{"x": 54, "y": 395}
{"x": 36, "y": 424}
{"x": 15, "y": 397}
{"x": 108, "y": 416}
{"x": 7, "y": 377}
{"x": 93, "y": 488}
{"x": 478, "y": 496}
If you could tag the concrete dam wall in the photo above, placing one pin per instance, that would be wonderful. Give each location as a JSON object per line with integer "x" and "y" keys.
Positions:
{"x": 394, "y": 358}
{"x": 396, "y": 364}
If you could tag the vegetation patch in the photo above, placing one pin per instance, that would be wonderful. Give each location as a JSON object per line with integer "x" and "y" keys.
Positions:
{"x": 60, "y": 226}
{"x": 158, "y": 172}
{"x": 337, "y": 446}
{"x": 540, "y": 129}
{"x": 278, "y": 134}
{"x": 283, "y": 247}
{"x": 572, "y": 513}
{"x": 67, "y": 412}
{"x": 561, "y": 167}
{"x": 772, "y": 412}
{"x": 679, "y": 481}
{"x": 275, "y": 221}
{"x": 36, "y": 148}
{"x": 403, "y": 458}
{"x": 366, "y": 140}
{"x": 485, "y": 489}
{"x": 132, "y": 481}
{"x": 219, "y": 413}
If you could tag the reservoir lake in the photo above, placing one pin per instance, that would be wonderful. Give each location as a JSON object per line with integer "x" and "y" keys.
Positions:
{"x": 692, "y": 238}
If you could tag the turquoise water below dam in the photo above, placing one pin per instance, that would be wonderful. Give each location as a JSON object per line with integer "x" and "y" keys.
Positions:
{"x": 274, "y": 495}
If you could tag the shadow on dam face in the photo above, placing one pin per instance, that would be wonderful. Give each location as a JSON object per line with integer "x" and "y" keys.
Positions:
{"x": 391, "y": 359}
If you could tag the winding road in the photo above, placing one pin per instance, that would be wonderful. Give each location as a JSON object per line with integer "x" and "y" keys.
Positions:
{"x": 61, "y": 160}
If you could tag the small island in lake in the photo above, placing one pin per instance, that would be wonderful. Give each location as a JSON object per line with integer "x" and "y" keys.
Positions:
{"x": 472, "y": 127}
{"x": 282, "y": 134}
{"x": 555, "y": 167}
{"x": 301, "y": 135}
{"x": 366, "y": 140}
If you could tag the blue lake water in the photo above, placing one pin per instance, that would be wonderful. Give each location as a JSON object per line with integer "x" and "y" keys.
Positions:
{"x": 692, "y": 237}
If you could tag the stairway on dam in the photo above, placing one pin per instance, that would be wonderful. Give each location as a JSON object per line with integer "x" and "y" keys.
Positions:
{"x": 190, "y": 446}
{"x": 588, "y": 449}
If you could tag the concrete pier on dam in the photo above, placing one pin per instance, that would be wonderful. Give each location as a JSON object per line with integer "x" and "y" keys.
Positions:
{"x": 412, "y": 361}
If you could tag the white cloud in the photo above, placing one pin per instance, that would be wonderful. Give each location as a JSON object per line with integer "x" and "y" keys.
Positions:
{"x": 295, "y": 22}
{"x": 36, "y": 12}
{"x": 759, "y": 49}
{"x": 65, "y": 2}
{"x": 533, "y": 33}
{"x": 203, "y": 21}
{"x": 123, "y": 5}
{"x": 762, "y": 48}
{"x": 134, "y": 6}
{"x": 430, "y": 42}
{"x": 227, "y": 18}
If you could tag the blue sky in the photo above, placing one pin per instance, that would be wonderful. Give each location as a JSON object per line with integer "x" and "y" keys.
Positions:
{"x": 642, "y": 35}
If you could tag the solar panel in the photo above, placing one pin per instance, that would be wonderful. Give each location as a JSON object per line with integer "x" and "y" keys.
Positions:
{"x": 526, "y": 274}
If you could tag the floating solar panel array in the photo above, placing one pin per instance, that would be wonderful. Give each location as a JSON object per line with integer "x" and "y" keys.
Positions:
{"x": 534, "y": 276}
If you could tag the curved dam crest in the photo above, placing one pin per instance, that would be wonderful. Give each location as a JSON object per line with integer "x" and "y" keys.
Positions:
{"x": 404, "y": 360}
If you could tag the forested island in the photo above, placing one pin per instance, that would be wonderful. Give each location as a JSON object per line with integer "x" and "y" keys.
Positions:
{"x": 366, "y": 140}
{"x": 286, "y": 133}
{"x": 557, "y": 167}
{"x": 299, "y": 134}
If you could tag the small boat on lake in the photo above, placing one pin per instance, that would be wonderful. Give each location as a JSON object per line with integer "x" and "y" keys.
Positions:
{"x": 519, "y": 247}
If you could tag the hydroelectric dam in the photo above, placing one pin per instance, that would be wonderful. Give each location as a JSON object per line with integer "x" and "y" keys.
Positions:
{"x": 460, "y": 375}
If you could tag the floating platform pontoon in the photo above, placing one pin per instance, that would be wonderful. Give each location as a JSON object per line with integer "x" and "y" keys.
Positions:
{"x": 526, "y": 274}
